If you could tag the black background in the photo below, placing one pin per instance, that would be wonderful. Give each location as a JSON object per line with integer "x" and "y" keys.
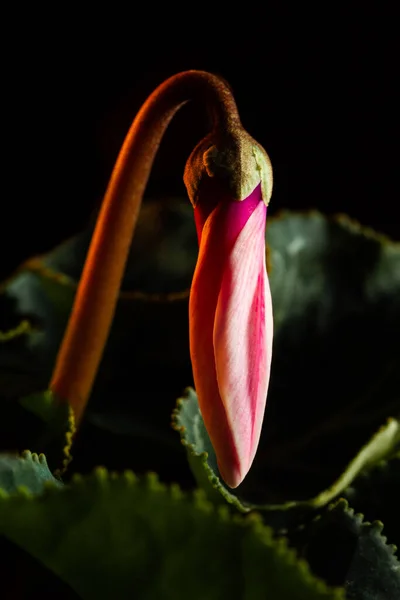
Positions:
{"x": 317, "y": 91}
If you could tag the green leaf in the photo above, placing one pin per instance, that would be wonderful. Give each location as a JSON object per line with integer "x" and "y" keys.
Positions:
{"x": 43, "y": 299}
{"x": 335, "y": 376}
{"x": 116, "y": 537}
{"x": 376, "y": 492}
{"x": 40, "y": 422}
{"x": 345, "y": 550}
{"x": 29, "y": 471}
{"x": 188, "y": 421}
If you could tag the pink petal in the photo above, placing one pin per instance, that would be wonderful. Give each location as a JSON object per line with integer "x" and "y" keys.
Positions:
{"x": 243, "y": 343}
{"x": 229, "y": 305}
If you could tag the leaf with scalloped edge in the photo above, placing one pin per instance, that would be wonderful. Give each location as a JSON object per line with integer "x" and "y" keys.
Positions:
{"x": 29, "y": 471}
{"x": 346, "y": 550}
{"x": 112, "y": 536}
{"x": 376, "y": 492}
{"x": 188, "y": 421}
{"x": 41, "y": 423}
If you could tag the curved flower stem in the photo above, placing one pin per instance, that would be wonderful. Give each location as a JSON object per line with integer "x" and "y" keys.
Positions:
{"x": 93, "y": 310}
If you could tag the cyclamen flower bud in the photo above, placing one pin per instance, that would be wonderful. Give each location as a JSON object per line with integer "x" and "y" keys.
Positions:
{"x": 230, "y": 310}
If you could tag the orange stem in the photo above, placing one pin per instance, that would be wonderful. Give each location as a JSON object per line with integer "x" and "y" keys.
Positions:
{"x": 88, "y": 328}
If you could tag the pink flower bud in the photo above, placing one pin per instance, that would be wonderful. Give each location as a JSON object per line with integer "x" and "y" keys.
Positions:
{"x": 231, "y": 322}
